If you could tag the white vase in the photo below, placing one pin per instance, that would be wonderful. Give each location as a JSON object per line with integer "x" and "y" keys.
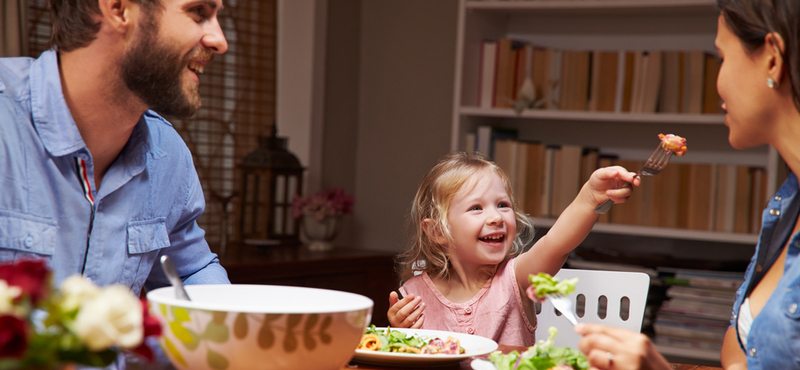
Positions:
{"x": 320, "y": 233}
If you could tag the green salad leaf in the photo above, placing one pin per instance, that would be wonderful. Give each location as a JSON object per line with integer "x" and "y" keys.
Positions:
{"x": 541, "y": 356}
{"x": 546, "y": 285}
{"x": 392, "y": 340}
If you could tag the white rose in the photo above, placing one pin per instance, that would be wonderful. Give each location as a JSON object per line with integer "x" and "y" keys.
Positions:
{"x": 114, "y": 317}
{"x": 7, "y": 296}
{"x": 77, "y": 289}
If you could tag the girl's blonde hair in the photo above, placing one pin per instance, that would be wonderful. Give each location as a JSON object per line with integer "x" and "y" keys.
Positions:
{"x": 433, "y": 199}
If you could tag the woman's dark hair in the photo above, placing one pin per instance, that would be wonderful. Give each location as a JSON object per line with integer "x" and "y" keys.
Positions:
{"x": 74, "y": 23}
{"x": 752, "y": 20}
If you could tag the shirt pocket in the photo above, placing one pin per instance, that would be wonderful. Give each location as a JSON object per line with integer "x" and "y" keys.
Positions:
{"x": 26, "y": 236}
{"x": 145, "y": 240}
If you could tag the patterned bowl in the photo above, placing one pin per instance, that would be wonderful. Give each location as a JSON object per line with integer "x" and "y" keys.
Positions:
{"x": 266, "y": 327}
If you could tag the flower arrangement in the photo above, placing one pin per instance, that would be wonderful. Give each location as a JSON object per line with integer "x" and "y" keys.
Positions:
{"x": 331, "y": 202}
{"x": 79, "y": 323}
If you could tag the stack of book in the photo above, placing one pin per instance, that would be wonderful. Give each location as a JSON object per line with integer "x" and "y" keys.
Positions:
{"x": 636, "y": 81}
{"x": 695, "y": 196}
{"x": 698, "y": 309}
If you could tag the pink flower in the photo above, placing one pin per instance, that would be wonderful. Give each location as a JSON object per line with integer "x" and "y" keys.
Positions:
{"x": 331, "y": 202}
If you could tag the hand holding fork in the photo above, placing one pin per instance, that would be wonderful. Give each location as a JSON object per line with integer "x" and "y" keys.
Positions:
{"x": 657, "y": 161}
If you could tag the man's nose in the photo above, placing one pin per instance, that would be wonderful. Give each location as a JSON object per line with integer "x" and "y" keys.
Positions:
{"x": 214, "y": 39}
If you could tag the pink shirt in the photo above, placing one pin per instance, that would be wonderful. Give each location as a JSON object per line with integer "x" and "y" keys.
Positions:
{"x": 496, "y": 312}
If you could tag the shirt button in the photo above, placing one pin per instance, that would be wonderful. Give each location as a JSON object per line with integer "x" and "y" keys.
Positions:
{"x": 470, "y": 331}
{"x": 777, "y": 197}
{"x": 753, "y": 352}
{"x": 28, "y": 241}
{"x": 759, "y": 268}
{"x": 468, "y": 310}
{"x": 793, "y": 308}
{"x": 775, "y": 212}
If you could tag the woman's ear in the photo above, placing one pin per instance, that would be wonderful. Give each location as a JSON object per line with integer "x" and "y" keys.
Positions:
{"x": 774, "y": 49}
{"x": 433, "y": 232}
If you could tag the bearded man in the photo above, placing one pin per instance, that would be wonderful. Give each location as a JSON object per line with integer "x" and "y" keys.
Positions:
{"x": 93, "y": 179}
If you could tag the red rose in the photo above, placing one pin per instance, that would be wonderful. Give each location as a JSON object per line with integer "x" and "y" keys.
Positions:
{"x": 152, "y": 328}
{"x": 32, "y": 276}
{"x": 13, "y": 341}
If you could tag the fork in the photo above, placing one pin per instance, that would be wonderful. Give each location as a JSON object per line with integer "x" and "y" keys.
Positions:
{"x": 657, "y": 161}
{"x": 564, "y": 305}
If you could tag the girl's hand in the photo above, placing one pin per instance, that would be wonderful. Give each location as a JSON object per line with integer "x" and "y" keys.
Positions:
{"x": 608, "y": 347}
{"x": 406, "y": 312}
{"x": 611, "y": 183}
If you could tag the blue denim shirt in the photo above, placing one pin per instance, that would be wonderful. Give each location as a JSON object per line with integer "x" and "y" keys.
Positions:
{"x": 774, "y": 338}
{"x": 147, "y": 205}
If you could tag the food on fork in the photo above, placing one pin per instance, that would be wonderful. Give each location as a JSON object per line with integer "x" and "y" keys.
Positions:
{"x": 674, "y": 143}
{"x": 389, "y": 340}
{"x": 541, "y": 356}
{"x": 543, "y": 285}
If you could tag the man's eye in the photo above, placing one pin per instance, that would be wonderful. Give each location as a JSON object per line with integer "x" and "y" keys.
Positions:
{"x": 199, "y": 11}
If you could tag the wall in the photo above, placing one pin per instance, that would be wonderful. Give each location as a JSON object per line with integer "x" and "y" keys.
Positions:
{"x": 407, "y": 59}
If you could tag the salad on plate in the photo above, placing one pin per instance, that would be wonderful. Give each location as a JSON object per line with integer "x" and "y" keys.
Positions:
{"x": 541, "y": 356}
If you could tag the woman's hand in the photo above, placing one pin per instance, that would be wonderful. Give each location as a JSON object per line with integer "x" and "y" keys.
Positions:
{"x": 608, "y": 347}
{"x": 611, "y": 183}
{"x": 406, "y": 312}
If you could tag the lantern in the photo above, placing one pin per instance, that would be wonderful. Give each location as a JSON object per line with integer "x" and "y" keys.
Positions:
{"x": 271, "y": 177}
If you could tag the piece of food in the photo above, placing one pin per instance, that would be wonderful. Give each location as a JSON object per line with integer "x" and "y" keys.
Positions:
{"x": 542, "y": 356}
{"x": 389, "y": 340}
{"x": 543, "y": 285}
{"x": 674, "y": 143}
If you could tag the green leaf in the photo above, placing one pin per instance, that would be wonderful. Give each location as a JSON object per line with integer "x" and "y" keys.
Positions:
{"x": 216, "y": 360}
{"x": 240, "y": 326}
{"x": 323, "y": 336}
{"x": 216, "y": 332}
{"x": 181, "y": 314}
{"x": 218, "y": 317}
{"x": 186, "y": 336}
{"x": 176, "y": 355}
{"x": 266, "y": 338}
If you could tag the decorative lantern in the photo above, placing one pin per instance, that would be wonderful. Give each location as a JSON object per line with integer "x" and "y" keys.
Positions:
{"x": 271, "y": 177}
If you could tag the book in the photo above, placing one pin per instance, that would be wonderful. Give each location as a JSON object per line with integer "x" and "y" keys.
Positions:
{"x": 651, "y": 81}
{"x": 575, "y": 71}
{"x": 520, "y": 183}
{"x": 486, "y": 136}
{"x": 725, "y": 198}
{"x": 547, "y": 179}
{"x": 540, "y": 71}
{"x": 669, "y": 97}
{"x": 666, "y": 205}
{"x": 712, "y": 295}
{"x": 693, "y": 81}
{"x": 741, "y": 218}
{"x": 505, "y": 157}
{"x": 552, "y": 92}
{"x": 628, "y": 78}
{"x": 699, "y": 197}
{"x": 603, "y": 94}
{"x": 566, "y": 177}
{"x": 711, "y": 99}
{"x": 534, "y": 178}
{"x": 504, "y": 75}
{"x": 487, "y": 74}
{"x": 758, "y": 196}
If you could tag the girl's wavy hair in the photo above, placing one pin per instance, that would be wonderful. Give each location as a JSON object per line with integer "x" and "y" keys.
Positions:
{"x": 752, "y": 20}
{"x": 433, "y": 200}
{"x": 75, "y": 24}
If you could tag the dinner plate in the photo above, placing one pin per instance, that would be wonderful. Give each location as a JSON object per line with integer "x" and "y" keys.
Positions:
{"x": 473, "y": 344}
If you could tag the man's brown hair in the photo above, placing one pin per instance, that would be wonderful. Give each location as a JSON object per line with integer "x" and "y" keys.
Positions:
{"x": 74, "y": 22}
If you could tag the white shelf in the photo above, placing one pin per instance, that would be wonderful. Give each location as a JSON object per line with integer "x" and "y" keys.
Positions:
{"x": 661, "y": 232}
{"x": 703, "y": 354}
{"x": 660, "y": 118}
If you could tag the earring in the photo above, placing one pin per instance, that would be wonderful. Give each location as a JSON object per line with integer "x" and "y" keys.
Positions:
{"x": 770, "y": 82}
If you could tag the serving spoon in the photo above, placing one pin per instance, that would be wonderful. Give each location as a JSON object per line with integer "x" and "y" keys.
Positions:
{"x": 174, "y": 279}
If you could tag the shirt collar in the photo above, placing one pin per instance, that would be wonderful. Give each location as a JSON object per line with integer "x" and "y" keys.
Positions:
{"x": 54, "y": 122}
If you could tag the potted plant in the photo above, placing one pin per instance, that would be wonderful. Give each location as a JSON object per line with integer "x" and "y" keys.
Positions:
{"x": 319, "y": 215}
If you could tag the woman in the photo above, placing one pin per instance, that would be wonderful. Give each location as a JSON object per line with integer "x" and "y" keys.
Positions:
{"x": 759, "y": 83}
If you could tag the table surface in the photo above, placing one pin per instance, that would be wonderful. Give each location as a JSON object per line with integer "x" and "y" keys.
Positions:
{"x": 465, "y": 365}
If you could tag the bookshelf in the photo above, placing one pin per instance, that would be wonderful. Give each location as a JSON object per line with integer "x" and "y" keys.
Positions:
{"x": 602, "y": 25}
{"x": 622, "y": 26}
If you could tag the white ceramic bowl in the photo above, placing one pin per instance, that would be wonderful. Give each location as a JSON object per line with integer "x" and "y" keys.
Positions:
{"x": 265, "y": 327}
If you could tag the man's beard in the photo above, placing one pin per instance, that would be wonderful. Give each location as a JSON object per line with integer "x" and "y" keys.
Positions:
{"x": 153, "y": 71}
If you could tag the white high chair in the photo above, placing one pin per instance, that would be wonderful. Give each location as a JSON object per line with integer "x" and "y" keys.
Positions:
{"x": 595, "y": 287}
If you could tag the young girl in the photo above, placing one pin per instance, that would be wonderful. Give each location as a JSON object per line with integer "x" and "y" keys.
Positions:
{"x": 469, "y": 229}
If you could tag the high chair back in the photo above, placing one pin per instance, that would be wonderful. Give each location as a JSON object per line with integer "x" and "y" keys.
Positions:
{"x": 606, "y": 297}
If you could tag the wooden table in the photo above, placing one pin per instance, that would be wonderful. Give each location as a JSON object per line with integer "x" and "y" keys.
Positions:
{"x": 465, "y": 365}
{"x": 366, "y": 272}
